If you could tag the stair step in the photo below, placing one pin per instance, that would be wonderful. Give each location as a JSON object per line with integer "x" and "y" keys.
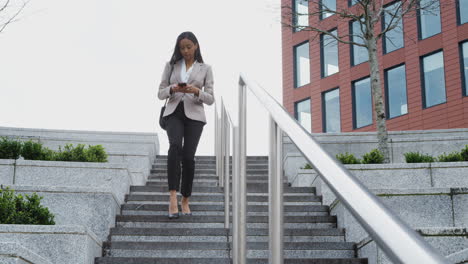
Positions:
{"x": 220, "y": 219}
{"x": 213, "y": 171}
{"x": 136, "y": 260}
{"x": 223, "y": 238}
{"x": 250, "y": 189}
{"x": 220, "y": 207}
{"x": 122, "y": 260}
{"x": 222, "y": 203}
{"x": 209, "y": 183}
{"x": 257, "y": 166}
{"x": 163, "y": 176}
{"x": 175, "y": 224}
{"x": 218, "y": 249}
{"x": 219, "y": 198}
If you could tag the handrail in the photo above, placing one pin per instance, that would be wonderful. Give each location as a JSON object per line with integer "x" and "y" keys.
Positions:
{"x": 400, "y": 243}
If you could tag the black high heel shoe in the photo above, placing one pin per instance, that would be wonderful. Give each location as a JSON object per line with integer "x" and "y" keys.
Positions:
{"x": 175, "y": 215}
{"x": 185, "y": 213}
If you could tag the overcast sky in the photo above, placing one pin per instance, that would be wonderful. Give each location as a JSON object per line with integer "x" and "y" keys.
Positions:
{"x": 97, "y": 64}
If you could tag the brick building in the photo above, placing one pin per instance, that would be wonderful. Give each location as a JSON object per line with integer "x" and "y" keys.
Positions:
{"x": 423, "y": 71}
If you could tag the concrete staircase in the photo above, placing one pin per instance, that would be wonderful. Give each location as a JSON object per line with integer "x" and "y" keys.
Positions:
{"x": 144, "y": 234}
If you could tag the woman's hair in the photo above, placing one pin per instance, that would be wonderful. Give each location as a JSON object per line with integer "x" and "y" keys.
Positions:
{"x": 176, "y": 56}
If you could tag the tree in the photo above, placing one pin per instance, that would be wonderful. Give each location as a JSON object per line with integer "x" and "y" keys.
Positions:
{"x": 7, "y": 15}
{"x": 368, "y": 14}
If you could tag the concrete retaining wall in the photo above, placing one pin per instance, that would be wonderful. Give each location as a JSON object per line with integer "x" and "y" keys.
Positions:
{"x": 433, "y": 142}
{"x": 398, "y": 175}
{"x": 67, "y": 174}
{"x": 94, "y": 208}
{"x": 445, "y": 240}
{"x": 65, "y": 244}
{"x": 137, "y": 150}
{"x": 14, "y": 253}
{"x": 419, "y": 208}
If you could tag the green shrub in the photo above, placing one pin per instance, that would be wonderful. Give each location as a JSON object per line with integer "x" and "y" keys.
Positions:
{"x": 416, "y": 157}
{"x": 48, "y": 154}
{"x": 79, "y": 153}
{"x": 373, "y": 157}
{"x": 348, "y": 158}
{"x": 451, "y": 157}
{"x": 307, "y": 167}
{"x": 96, "y": 153}
{"x": 464, "y": 153}
{"x": 10, "y": 149}
{"x": 14, "y": 209}
{"x": 32, "y": 150}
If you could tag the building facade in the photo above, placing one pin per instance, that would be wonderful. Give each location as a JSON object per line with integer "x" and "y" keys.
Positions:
{"x": 423, "y": 69}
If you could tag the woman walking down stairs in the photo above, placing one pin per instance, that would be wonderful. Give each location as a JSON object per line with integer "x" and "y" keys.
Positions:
{"x": 143, "y": 233}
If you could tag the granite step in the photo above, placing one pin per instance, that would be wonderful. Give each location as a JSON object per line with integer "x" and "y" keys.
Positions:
{"x": 220, "y": 207}
{"x": 220, "y": 198}
{"x": 213, "y": 166}
{"x": 210, "y": 171}
{"x": 250, "y": 189}
{"x": 123, "y": 260}
{"x": 220, "y": 219}
{"x": 222, "y": 249}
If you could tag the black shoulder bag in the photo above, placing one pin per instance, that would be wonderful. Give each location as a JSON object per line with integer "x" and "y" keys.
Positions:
{"x": 163, "y": 120}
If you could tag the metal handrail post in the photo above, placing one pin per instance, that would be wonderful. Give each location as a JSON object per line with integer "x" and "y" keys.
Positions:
{"x": 221, "y": 143}
{"x": 275, "y": 195}
{"x": 241, "y": 173}
{"x": 216, "y": 148}
{"x": 235, "y": 195}
{"x": 226, "y": 173}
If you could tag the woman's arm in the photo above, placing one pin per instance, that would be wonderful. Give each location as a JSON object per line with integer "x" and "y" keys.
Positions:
{"x": 206, "y": 95}
{"x": 164, "y": 87}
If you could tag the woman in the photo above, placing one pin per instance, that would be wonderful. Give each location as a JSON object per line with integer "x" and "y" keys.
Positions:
{"x": 182, "y": 81}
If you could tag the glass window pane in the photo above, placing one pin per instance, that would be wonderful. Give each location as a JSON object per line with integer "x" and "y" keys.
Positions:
{"x": 434, "y": 79}
{"x": 301, "y": 14}
{"x": 465, "y": 66}
{"x": 463, "y": 11}
{"x": 302, "y": 67}
{"x": 396, "y": 91}
{"x": 362, "y": 103}
{"x": 394, "y": 38}
{"x": 429, "y": 19}
{"x": 303, "y": 114}
{"x": 327, "y": 5}
{"x": 330, "y": 54}
{"x": 352, "y": 2}
{"x": 332, "y": 111}
{"x": 360, "y": 54}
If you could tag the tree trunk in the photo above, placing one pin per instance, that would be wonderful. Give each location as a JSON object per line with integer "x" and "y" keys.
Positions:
{"x": 379, "y": 110}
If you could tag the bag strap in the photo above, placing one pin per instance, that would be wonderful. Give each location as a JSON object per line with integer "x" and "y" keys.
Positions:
{"x": 168, "y": 81}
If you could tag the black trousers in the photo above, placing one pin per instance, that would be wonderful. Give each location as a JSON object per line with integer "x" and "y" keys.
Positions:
{"x": 179, "y": 127}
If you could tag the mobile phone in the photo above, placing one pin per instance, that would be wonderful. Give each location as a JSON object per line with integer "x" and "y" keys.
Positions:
{"x": 182, "y": 84}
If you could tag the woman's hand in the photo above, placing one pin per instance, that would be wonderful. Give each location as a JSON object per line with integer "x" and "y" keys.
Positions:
{"x": 176, "y": 88}
{"x": 192, "y": 89}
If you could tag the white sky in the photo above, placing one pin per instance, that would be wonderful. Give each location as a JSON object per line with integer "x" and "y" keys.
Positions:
{"x": 97, "y": 64}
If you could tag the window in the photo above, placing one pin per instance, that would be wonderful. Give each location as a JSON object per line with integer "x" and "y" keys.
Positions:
{"x": 433, "y": 79}
{"x": 331, "y": 111}
{"x": 362, "y": 103}
{"x": 301, "y": 65}
{"x": 329, "y": 49}
{"x": 327, "y": 5}
{"x": 429, "y": 18}
{"x": 358, "y": 54}
{"x": 352, "y": 2}
{"x": 393, "y": 39}
{"x": 462, "y": 11}
{"x": 300, "y": 14}
{"x": 302, "y": 113}
{"x": 395, "y": 91}
{"x": 464, "y": 57}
